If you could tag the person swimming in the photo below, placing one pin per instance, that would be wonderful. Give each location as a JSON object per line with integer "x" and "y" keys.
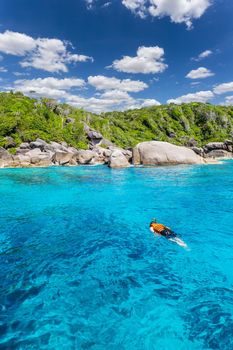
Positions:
{"x": 166, "y": 232}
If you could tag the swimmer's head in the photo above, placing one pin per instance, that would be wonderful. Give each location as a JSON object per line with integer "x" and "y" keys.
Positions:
{"x": 153, "y": 221}
{"x": 151, "y": 224}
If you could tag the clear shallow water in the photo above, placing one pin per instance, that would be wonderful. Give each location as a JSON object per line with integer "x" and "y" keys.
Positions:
{"x": 79, "y": 268}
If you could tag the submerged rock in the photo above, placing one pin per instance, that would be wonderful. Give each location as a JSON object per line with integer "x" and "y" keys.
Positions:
{"x": 164, "y": 153}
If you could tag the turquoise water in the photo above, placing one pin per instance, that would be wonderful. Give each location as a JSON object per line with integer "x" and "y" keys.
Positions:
{"x": 79, "y": 268}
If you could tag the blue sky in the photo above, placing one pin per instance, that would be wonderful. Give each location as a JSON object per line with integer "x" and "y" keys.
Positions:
{"x": 105, "y": 55}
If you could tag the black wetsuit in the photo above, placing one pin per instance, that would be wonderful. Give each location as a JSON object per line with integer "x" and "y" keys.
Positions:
{"x": 167, "y": 233}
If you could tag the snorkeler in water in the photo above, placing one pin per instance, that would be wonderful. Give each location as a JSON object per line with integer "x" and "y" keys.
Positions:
{"x": 166, "y": 232}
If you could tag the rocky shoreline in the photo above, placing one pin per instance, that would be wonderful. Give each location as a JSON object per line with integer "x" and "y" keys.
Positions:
{"x": 40, "y": 153}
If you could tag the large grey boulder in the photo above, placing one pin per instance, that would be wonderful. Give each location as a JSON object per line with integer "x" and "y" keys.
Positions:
{"x": 22, "y": 160}
{"x": 100, "y": 157}
{"x": 93, "y": 136}
{"x": 22, "y": 150}
{"x": 229, "y": 145}
{"x": 118, "y": 160}
{"x": 9, "y": 142}
{"x": 127, "y": 153}
{"x": 33, "y": 152}
{"x": 215, "y": 145}
{"x": 38, "y": 144}
{"x": 219, "y": 153}
{"x": 39, "y": 158}
{"x": 61, "y": 157}
{"x": 164, "y": 153}
{"x": 24, "y": 145}
{"x": 5, "y": 158}
{"x": 198, "y": 150}
{"x": 85, "y": 156}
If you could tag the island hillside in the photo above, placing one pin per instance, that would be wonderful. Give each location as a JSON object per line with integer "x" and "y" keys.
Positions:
{"x": 24, "y": 119}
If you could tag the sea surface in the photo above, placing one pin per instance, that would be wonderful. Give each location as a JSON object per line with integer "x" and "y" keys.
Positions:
{"x": 79, "y": 268}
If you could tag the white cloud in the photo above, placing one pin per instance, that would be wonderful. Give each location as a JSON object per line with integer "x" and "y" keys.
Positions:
{"x": 203, "y": 55}
{"x": 146, "y": 103}
{"x": 51, "y": 55}
{"x": 223, "y": 88}
{"x": 3, "y": 70}
{"x": 179, "y": 11}
{"x": 114, "y": 95}
{"x": 53, "y": 83}
{"x": 101, "y": 82}
{"x": 148, "y": 60}
{"x": 101, "y": 104}
{"x": 48, "y": 87}
{"x": 17, "y": 44}
{"x": 109, "y": 103}
{"x": 199, "y": 73}
{"x": 229, "y": 100}
{"x": 200, "y": 96}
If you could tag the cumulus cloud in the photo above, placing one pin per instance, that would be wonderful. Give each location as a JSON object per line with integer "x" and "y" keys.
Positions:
{"x": 199, "y": 73}
{"x": 51, "y": 55}
{"x": 113, "y": 93}
{"x": 200, "y": 96}
{"x": 179, "y": 11}
{"x": 101, "y": 82}
{"x": 48, "y": 87}
{"x": 148, "y": 60}
{"x": 223, "y": 88}
{"x": 203, "y": 55}
{"x": 142, "y": 103}
{"x": 229, "y": 100}
{"x": 18, "y": 44}
{"x": 116, "y": 95}
{"x": 109, "y": 102}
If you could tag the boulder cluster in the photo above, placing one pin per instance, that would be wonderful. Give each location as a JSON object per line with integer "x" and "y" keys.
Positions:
{"x": 40, "y": 153}
{"x": 215, "y": 150}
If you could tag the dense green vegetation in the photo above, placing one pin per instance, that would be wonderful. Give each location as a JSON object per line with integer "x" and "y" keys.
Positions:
{"x": 25, "y": 119}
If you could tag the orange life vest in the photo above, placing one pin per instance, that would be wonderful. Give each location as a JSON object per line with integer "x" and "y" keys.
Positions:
{"x": 157, "y": 227}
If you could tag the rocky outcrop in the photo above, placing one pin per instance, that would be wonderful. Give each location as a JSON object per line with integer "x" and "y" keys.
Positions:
{"x": 85, "y": 157}
{"x": 95, "y": 138}
{"x": 118, "y": 160}
{"x": 5, "y": 158}
{"x": 61, "y": 157}
{"x": 219, "y": 153}
{"x": 9, "y": 142}
{"x": 198, "y": 150}
{"x": 164, "y": 153}
{"x": 42, "y": 154}
{"x": 219, "y": 149}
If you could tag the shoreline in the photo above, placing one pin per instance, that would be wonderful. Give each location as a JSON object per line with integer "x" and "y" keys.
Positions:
{"x": 40, "y": 154}
{"x": 207, "y": 162}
